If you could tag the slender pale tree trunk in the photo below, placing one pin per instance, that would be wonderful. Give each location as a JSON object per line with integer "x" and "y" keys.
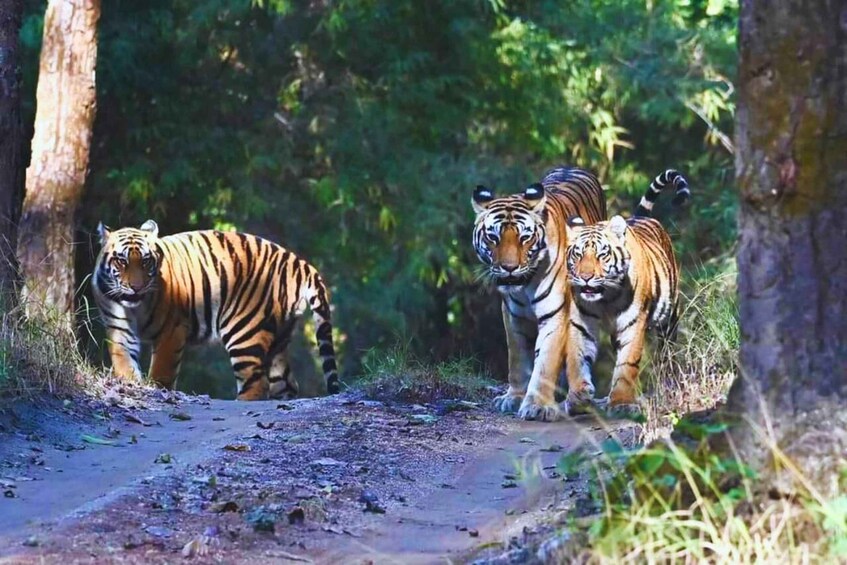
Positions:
{"x": 791, "y": 166}
{"x": 65, "y": 111}
{"x": 11, "y": 148}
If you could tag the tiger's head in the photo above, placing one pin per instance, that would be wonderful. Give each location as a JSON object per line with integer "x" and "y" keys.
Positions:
{"x": 509, "y": 233}
{"x": 597, "y": 257}
{"x": 128, "y": 264}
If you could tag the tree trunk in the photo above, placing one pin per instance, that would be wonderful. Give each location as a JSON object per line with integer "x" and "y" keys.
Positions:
{"x": 64, "y": 117}
{"x": 11, "y": 148}
{"x": 791, "y": 165}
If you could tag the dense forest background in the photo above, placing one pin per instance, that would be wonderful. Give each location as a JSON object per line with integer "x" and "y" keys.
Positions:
{"x": 354, "y": 131}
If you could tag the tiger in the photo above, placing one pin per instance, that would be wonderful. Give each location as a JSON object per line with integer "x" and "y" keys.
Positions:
{"x": 624, "y": 273}
{"x": 205, "y": 286}
{"x": 521, "y": 240}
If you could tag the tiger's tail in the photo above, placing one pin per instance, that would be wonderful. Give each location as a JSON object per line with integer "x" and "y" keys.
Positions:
{"x": 670, "y": 176}
{"x": 318, "y": 297}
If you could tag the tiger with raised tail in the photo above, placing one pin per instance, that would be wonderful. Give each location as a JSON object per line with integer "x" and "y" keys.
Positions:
{"x": 203, "y": 286}
{"x": 521, "y": 239}
{"x": 624, "y": 273}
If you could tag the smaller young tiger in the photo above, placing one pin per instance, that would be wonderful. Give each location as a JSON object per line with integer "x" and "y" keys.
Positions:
{"x": 624, "y": 273}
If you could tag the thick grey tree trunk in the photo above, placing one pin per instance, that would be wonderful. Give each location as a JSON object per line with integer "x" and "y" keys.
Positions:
{"x": 12, "y": 163}
{"x": 65, "y": 108}
{"x": 791, "y": 164}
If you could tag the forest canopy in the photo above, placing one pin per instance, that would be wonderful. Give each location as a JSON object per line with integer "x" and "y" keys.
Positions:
{"x": 353, "y": 132}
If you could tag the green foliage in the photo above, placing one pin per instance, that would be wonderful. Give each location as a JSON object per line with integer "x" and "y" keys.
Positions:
{"x": 688, "y": 502}
{"x": 354, "y": 131}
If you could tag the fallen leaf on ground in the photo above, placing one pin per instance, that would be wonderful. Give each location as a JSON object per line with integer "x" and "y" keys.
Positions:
{"x": 555, "y": 448}
{"x": 159, "y": 531}
{"x": 164, "y": 458}
{"x": 509, "y": 484}
{"x": 96, "y": 440}
{"x": 526, "y": 440}
{"x": 180, "y": 416}
{"x": 289, "y": 556}
{"x": 135, "y": 419}
{"x": 237, "y": 447}
{"x": 371, "y": 503}
{"x": 419, "y": 419}
{"x": 200, "y": 545}
{"x": 265, "y": 426}
{"x": 328, "y": 462}
{"x": 221, "y": 507}
{"x": 296, "y": 516}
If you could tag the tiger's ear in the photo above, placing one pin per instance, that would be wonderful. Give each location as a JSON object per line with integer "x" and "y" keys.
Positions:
{"x": 103, "y": 232}
{"x": 482, "y": 196}
{"x": 534, "y": 194}
{"x": 618, "y": 226}
{"x": 150, "y": 227}
{"x": 573, "y": 224}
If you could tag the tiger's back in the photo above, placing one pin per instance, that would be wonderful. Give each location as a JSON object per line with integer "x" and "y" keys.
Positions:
{"x": 574, "y": 192}
{"x": 239, "y": 289}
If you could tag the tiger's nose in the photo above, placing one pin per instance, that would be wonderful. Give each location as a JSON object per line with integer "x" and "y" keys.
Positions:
{"x": 509, "y": 267}
{"x": 137, "y": 287}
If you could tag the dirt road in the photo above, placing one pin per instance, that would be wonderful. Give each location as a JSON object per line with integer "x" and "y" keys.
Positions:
{"x": 332, "y": 480}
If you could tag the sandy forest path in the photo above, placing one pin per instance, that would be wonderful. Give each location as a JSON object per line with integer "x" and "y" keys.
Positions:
{"x": 331, "y": 480}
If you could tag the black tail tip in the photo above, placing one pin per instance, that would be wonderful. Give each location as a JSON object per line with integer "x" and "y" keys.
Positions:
{"x": 333, "y": 386}
{"x": 681, "y": 197}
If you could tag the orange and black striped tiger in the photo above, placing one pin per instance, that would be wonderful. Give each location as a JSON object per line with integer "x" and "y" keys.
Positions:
{"x": 209, "y": 285}
{"x": 522, "y": 240}
{"x": 623, "y": 272}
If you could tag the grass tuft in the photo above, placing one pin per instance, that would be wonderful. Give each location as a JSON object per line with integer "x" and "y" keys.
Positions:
{"x": 397, "y": 375}
{"x": 40, "y": 356}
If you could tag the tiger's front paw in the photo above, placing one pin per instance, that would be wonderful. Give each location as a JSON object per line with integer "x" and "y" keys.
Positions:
{"x": 534, "y": 407}
{"x": 620, "y": 410}
{"x": 509, "y": 402}
{"x": 580, "y": 401}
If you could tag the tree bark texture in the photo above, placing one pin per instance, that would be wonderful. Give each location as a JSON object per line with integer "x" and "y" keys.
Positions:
{"x": 791, "y": 167}
{"x": 12, "y": 163}
{"x": 66, "y": 104}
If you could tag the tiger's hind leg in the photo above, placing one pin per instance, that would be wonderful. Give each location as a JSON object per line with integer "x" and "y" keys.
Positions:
{"x": 283, "y": 385}
{"x": 249, "y": 359}
{"x": 251, "y": 381}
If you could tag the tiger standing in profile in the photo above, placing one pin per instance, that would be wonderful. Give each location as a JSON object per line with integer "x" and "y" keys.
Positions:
{"x": 623, "y": 273}
{"x": 202, "y": 286}
{"x": 522, "y": 240}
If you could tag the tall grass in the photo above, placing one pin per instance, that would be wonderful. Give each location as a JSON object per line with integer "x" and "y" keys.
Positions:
{"x": 695, "y": 372}
{"x": 40, "y": 355}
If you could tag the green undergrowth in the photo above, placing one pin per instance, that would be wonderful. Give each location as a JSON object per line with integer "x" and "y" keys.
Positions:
{"x": 396, "y": 374}
{"x": 679, "y": 500}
